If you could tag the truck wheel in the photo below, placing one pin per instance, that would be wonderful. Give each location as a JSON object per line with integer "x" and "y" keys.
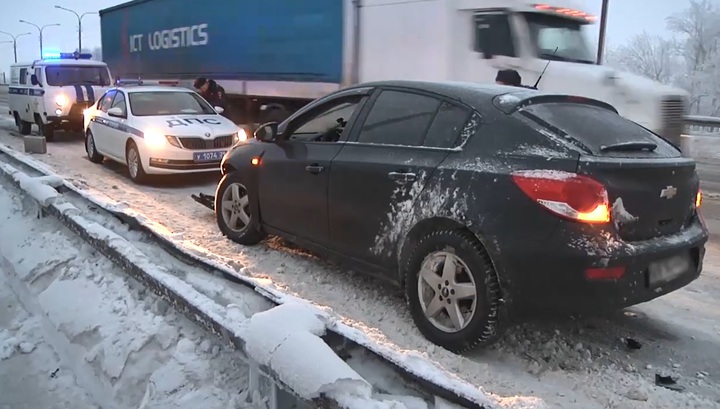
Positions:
{"x": 46, "y": 130}
{"x": 134, "y": 164}
{"x": 453, "y": 291}
{"x": 23, "y": 127}
{"x": 233, "y": 212}
{"x": 91, "y": 150}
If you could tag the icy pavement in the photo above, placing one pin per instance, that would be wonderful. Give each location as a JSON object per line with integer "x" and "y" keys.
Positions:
{"x": 75, "y": 332}
{"x": 568, "y": 364}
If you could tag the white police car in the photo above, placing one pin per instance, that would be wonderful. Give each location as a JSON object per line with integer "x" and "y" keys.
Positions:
{"x": 158, "y": 130}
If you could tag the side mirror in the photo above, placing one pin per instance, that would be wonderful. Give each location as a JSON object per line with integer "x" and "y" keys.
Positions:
{"x": 34, "y": 80}
{"x": 117, "y": 112}
{"x": 266, "y": 132}
{"x": 219, "y": 110}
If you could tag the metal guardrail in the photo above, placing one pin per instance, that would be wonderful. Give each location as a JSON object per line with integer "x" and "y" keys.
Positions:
{"x": 702, "y": 125}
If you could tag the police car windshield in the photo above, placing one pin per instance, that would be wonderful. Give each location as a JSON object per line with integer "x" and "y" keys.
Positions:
{"x": 60, "y": 75}
{"x": 168, "y": 103}
{"x": 548, "y": 32}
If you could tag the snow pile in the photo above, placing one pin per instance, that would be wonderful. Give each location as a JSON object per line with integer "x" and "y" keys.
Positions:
{"x": 285, "y": 339}
{"x": 98, "y": 332}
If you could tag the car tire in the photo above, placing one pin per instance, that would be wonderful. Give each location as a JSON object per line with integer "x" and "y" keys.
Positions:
{"x": 235, "y": 206}
{"x": 91, "y": 150}
{"x": 45, "y": 130}
{"x": 481, "y": 327}
{"x": 134, "y": 163}
{"x": 24, "y": 127}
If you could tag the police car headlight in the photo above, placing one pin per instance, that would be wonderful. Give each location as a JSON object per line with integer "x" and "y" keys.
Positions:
{"x": 61, "y": 100}
{"x": 240, "y": 136}
{"x": 154, "y": 139}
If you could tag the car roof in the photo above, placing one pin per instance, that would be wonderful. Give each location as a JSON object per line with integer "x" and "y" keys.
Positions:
{"x": 477, "y": 95}
{"x": 133, "y": 89}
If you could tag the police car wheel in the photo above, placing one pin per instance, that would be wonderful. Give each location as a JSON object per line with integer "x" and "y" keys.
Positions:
{"x": 92, "y": 153}
{"x": 134, "y": 164}
{"x": 234, "y": 212}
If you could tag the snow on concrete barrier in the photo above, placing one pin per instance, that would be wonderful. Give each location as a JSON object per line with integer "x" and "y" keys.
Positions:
{"x": 303, "y": 323}
{"x": 702, "y": 148}
{"x": 410, "y": 365}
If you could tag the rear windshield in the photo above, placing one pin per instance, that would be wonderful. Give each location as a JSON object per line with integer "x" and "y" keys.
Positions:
{"x": 597, "y": 129}
{"x": 168, "y": 103}
{"x": 61, "y": 75}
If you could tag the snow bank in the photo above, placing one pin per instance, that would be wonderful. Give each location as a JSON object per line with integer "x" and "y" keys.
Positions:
{"x": 412, "y": 362}
{"x": 92, "y": 338}
{"x": 286, "y": 339}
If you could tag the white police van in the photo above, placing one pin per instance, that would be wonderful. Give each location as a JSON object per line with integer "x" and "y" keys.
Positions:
{"x": 52, "y": 93}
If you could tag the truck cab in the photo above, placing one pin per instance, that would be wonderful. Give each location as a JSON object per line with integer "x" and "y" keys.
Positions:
{"x": 470, "y": 40}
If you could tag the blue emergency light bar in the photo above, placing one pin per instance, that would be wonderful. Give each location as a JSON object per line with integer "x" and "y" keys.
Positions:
{"x": 119, "y": 82}
{"x": 67, "y": 56}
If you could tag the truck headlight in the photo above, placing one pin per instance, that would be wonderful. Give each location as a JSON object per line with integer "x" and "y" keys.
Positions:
{"x": 61, "y": 100}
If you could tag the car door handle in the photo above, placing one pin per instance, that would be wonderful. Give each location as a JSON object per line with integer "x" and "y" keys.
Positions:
{"x": 402, "y": 177}
{"x": 314, "y": 168}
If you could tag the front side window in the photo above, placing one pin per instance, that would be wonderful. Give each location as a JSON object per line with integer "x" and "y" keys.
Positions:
{"x": 328, "y": 124}
{"x": 493, "y": 35}
{"x": 119, "y": 102}
{"x": 548, "y": 33}
{"x": 61, "y": 75}
{"x": 106, "y": 102}
{"x": 399, "y": 118}
{"x": 162, "y": 103}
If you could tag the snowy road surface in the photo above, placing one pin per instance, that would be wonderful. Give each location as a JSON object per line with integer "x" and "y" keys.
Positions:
{"x": 76, "y": 333}
{"x": 568, "y": 364}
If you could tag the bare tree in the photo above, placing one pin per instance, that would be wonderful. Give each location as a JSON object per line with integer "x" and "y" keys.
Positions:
{"x": 698, "y": 28}
{"x": 647, "y": 55}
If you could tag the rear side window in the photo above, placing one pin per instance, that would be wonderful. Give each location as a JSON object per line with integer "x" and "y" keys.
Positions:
{"x": 596, "y": 129}
{"x": 445, "y": 128}
{"x": 399, "y": 118}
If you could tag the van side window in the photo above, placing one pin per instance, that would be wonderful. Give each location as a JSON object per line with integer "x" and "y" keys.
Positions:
{"x": 493, "y": 35}
{"x": 38, "y": 74}
{"x": 23, "y": 75}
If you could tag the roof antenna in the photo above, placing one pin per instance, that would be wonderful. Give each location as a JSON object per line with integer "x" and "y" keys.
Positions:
{"x": 543, "y": 71}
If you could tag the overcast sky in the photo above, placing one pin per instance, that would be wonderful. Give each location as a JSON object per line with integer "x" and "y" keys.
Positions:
{"x": 626, "y": 18}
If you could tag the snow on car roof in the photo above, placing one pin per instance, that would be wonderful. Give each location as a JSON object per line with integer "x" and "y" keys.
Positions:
{"x": 151, "y": 88}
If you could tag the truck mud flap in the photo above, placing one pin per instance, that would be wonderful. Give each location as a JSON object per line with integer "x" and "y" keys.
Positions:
{"x": 205, "y": 200}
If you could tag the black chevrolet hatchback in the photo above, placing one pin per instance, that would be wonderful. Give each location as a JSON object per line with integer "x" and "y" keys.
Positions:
{"x": 484, "y": 203}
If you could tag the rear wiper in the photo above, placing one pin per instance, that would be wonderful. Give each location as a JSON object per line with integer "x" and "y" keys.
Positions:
{"x": 629, "y": 147}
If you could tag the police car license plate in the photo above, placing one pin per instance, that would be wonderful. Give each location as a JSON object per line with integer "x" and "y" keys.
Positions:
{"x": 665, "y": 270}
{"x": 215, "y": 156}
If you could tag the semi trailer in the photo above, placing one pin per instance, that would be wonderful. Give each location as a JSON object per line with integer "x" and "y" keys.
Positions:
{"x": 274, "y": 56}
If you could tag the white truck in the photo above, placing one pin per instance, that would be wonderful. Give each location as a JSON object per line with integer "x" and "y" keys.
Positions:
{"x": 274, "y": 58}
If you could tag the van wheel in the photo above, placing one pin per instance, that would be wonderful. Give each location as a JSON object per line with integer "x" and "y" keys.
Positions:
{"x": 23, "y": 127}
{"x": 453, "y": 291}
{"x": 46, "y": 130}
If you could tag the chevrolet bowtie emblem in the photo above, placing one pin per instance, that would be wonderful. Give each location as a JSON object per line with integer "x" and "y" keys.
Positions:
{"x": 669, "y": 192}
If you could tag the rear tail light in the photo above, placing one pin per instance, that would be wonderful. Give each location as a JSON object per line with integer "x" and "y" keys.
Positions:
{"x": 566, "y": 194}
